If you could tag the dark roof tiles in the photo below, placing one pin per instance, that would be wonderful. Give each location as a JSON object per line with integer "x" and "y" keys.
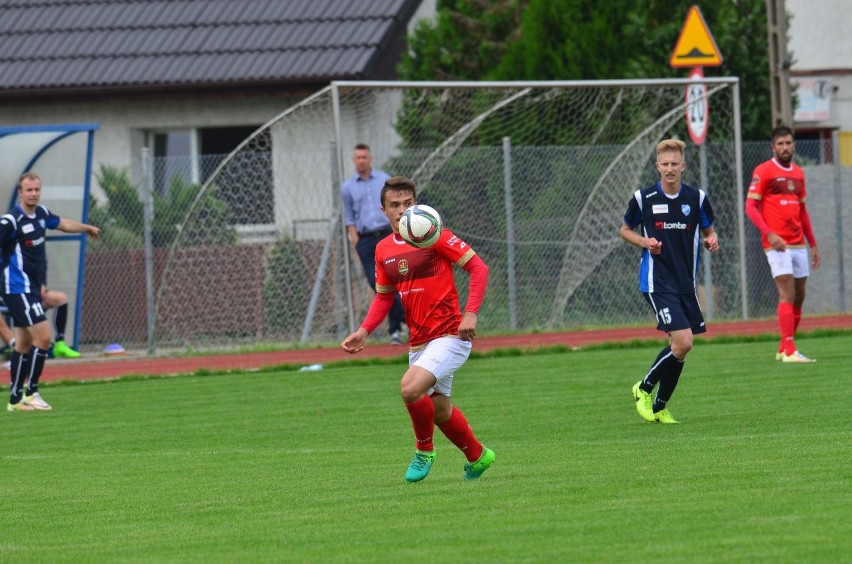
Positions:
{"x": 65, "y": 45}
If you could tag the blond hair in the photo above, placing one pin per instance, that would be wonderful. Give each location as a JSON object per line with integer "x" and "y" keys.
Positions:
{"x": 671, "y": 145}
{"x": 28, "y": 176}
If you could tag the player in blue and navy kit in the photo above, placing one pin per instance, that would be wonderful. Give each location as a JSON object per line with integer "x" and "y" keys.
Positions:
{"x": 674, "y": 218}
{"x": 22, "y": 239}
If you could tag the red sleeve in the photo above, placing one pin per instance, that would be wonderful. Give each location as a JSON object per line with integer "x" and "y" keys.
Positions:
{"x": 380, "y": 307}
{"x": 807, "y": 227}
{"x": 753, "y": 213}
{"x": 478, "y": 281}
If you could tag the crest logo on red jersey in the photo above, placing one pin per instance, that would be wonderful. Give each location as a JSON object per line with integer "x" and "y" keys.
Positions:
{"x": 790, "y": 186}
{"x": 403, "y": 267}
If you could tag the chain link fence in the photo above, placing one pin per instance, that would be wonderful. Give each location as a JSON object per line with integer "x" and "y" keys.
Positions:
{"x": 535, "y": 177}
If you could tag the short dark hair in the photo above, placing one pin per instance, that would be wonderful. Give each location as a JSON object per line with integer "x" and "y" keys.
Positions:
{"x": 362, "y": 147}
{"x": 399, "y": 184}
{"x": 781, "y": 131}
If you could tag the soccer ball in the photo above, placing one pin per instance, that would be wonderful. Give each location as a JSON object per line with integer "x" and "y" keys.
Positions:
{"x": 420, "y": 226}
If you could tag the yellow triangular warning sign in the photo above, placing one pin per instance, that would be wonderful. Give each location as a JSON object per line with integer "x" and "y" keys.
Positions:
{"x": 695, "y": 47}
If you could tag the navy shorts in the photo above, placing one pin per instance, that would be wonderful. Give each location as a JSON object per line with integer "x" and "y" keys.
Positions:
{"x": 26, "y": 309}
{"x": 676, "y": 311}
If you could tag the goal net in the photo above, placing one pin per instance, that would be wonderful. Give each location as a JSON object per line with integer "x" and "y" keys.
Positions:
{"x": 534, "y": 176}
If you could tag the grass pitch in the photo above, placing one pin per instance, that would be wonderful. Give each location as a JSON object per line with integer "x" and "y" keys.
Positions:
{"x": 308, "y": 466}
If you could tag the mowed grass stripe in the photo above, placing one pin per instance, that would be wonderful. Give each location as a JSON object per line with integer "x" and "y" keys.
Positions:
{"x": 295, "y": 466}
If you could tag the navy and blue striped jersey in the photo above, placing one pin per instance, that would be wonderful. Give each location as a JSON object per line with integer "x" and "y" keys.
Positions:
{"x": 676, "y": 221}
{"x": 22, "y": 238}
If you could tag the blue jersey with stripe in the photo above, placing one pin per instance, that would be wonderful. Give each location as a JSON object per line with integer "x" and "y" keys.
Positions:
{"x": 675, "y": 221}
{"x": 24, "y": 259}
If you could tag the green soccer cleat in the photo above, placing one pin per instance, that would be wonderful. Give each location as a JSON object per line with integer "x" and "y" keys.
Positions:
{"x": 779, "y": 356}
{"x": 644, "y": 403}
{"x": 420, "y": 466}
{"x": 473, "y": 470}
{"x": 664, "y": 416}
{"x": 61, "y": 350}
{"x": 20, "y": 406}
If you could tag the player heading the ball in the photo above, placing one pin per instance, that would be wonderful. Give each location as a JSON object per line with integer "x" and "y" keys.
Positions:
{"x": 441, "y": 334}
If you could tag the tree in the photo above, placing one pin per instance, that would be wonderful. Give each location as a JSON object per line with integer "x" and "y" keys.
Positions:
{"x": 467, "y": 42}
{"x": 582, "y": 40}
{"x": 122, "y": 215}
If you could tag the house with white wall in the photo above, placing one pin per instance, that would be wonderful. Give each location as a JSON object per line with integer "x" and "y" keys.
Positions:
{"x": 821, "y": 70}
{"x": 187, "y": 79}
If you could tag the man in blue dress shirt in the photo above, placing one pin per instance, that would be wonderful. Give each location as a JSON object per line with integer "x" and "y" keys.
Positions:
{"x": 366, "y": 224}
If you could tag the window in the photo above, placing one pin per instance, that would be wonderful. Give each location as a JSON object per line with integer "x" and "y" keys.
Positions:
{"x": 193, "y": 155}
{"x": 173, "y": 156}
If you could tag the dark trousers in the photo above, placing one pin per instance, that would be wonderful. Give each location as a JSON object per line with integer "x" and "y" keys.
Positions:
{"x": 366, "y": 248}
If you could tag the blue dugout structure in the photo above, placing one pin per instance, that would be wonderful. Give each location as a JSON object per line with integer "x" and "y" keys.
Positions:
{"x": 62, "y": 156}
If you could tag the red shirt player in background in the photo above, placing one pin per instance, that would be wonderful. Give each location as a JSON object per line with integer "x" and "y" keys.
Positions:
{"x": 440, "y": 335}
{"x": 776, "y": 206}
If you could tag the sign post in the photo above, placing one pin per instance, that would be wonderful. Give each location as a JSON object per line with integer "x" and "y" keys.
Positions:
{"x": 696, "y": 48}
{"x": 697, "y": 107}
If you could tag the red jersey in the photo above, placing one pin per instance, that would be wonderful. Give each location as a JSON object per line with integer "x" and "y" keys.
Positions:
{"x": 780, "y": 191}
{"x": 425, "y": 282}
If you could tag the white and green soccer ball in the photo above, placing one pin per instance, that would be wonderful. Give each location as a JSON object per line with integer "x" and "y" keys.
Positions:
{"x": 420, "y": 226}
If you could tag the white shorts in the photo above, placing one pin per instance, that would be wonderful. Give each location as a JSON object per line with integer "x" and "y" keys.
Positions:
{"x": 790, "y": 261}
{"x": 442, "y": 357}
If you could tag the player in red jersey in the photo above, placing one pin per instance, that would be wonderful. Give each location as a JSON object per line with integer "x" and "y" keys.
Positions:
{"x": 440, "y": 335}
{"x": 776, "y": 206}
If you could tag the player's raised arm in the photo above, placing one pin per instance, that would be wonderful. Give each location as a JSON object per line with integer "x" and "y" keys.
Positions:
{"x": 71, "y": 226}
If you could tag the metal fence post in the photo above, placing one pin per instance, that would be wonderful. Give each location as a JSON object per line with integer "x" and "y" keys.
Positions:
{"x": 510, "y": 232}
{"x": 148, "y": 203}
{"x": 838, "y": 218}
{"x": 741, "y": 195}
{"x": 708, "y": 261}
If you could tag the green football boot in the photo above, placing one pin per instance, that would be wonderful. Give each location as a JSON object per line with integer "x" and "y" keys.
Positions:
{"x": 644, "y": 403}
{"x": 420, "y": 466}
{"x": 61, "y": 350}
{"x": 664, "y": 416}
{"x": 473, "y": 470}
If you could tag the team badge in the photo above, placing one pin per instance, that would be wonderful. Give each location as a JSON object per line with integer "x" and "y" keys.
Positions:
{"x": 685, "y": 209}
{"x": 403, "y": 267}
{"x": 790, "y": 186}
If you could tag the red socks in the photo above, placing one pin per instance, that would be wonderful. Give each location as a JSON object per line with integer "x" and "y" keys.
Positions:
{"x": 422, "y": 414}
{"x": 787, "y": 323}
{"x": 460, "y": 434}
{"x": 456, "y": 429}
